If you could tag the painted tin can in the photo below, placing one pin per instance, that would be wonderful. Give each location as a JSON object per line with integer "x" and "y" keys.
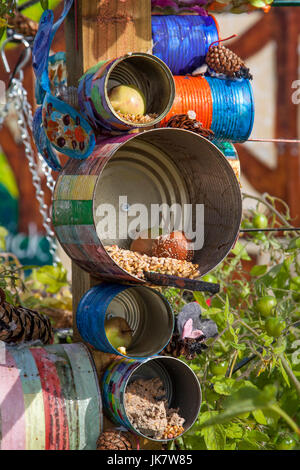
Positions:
{"x": 182, "y": 42}
{"x": 224, "y": 106}
{"x": 231, "y": 154}
{"x": 171, "y": 166}
{"x": 192, "y": 94}
{"x": 182, "y": 388}
{"x": 146, "y": 311}
{"x": 49, "y": 399}
{"x": 146, "y": 72}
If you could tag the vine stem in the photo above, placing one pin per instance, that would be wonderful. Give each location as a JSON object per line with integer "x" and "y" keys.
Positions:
{"x": 290, "y": 373}
{"x": 272, "y": 209}
{"x": 286, "y": 417}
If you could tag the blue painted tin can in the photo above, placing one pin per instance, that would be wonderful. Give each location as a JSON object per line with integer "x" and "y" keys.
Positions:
{"x": 146, "y": 311}
{"x": 233, "y": 109}
{"x": 181, "y": 385}
{"x": 182, "y": 42}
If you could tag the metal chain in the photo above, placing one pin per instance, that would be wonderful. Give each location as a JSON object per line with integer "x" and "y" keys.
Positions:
{"x": 18, "y": 96}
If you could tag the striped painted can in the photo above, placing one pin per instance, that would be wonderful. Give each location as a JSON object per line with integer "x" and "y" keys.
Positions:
{"x": 231, "y": 154}
{"x": 92, "y": 198}
{"x": 183, "y": 391}
{"x": 147, "y": 313}
{"x": 49, "y": 399}
{"x": 224, "y": 106}
{"x": 182, "y": 41}
{"x": 144, "y": 71}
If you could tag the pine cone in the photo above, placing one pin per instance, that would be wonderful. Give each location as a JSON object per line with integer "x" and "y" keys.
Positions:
{"x": 187, "y": 347}
{"x": 22, "y": 25}
{"x": 19, "y": 324}
{"x": 222, "y": 60}
{"x": 184, "y": 121}
{"x": 113, "y": 440}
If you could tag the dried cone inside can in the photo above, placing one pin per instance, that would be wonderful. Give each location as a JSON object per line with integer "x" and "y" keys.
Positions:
{"x": 175, "y": 245}
{"x": 113, "y": 440}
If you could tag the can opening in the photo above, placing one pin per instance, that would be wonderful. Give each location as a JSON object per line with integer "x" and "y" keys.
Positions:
{"x": 182, "y": 388}
{"x": 148, "y": 315}
{"x": 151, "y": 76}
{"x": 170, "y": 166}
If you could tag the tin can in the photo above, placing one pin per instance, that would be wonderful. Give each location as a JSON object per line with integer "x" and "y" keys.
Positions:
{"x": 192, "y": 94}
{"x": 231, "y": 154}
{"x": 147, "y": 313}
{"x": 171, "y": 166}
{"x": 182, "y": 42}
{"x": 224, "y": 106}
{"x": 144, "y": 71}
{"x": 180, "y": 383}
{"x": 49, "y": 399}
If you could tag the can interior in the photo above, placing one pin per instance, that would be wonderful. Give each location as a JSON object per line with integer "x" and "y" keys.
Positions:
{"x": 171, "y": 166}
{"x": 150, "y": 75}
{"x": 180, "y": 383}
{"x": 149, "y": 316}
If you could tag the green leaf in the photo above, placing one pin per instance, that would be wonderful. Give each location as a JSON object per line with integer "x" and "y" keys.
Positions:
{"x": 294, "y": 244}
{"x": 3, "y": 235}
{"x": 234, "y": 431}
{"x": 259, "y": 270}
{"x": 240, "y": 251}
{"x": 259, "y": 417}
{"x": 245, "y": 444}
{"x": 239, "y": 347}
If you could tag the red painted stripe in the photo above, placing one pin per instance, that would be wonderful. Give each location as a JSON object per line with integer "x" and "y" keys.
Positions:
{"x": 56, "y": 421}
{"x": 12, "y": 408}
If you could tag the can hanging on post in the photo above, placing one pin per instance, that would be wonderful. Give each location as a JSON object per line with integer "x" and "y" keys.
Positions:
{"x": 181, "y": 387}
{"x": 182, "y": 42}
{"x": 147, "y": 315}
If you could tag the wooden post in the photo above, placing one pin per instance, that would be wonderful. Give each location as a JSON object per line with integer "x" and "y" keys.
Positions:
{"x": 105, "y": 29}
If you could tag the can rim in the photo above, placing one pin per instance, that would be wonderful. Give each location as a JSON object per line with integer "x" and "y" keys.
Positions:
{"x": 172, "y": 90}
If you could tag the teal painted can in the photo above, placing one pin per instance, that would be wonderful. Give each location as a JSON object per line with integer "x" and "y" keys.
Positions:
{"x": 147, "y": 313}
{"x": 182, "y": 388}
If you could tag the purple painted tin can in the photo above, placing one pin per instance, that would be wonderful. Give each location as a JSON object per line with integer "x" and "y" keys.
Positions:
{"x": 146, "y": 72}
{"x": 182, "y": 389}
{"x": 166, "y": 165}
